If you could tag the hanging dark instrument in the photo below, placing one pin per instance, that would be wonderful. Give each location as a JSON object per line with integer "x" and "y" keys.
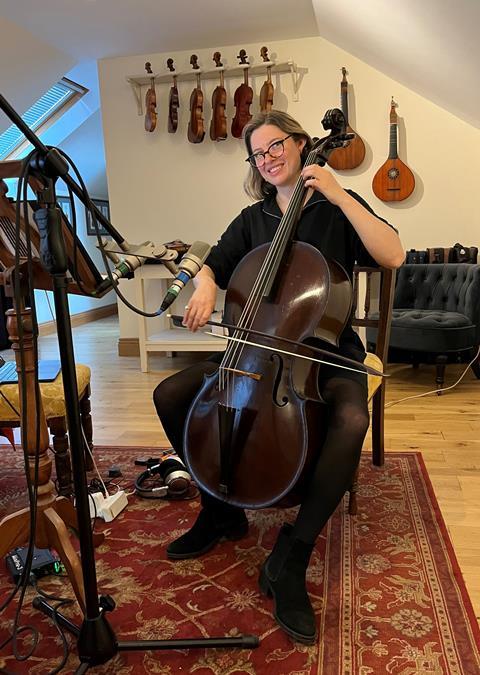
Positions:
{"x": 150, "y": 102}
{"x": 394, "y": 181}
{"x": 196, "y": 129}
{"x": 266, "y": 92}
{"x": 256, "y": 424}
{"x": 218, "y": 124}
{"x": 173, "y": 101}
{"x": 354, "y": 154}
{"x": 242, "y": 99}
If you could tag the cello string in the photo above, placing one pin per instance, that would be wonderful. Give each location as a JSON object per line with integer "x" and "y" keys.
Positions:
{"x": 265, "y": 275}
{"x": 233, "y": 352}
{"x": 250, "y": 311}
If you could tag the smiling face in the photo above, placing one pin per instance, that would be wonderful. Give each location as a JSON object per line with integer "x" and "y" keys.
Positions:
{"x": 283, "y": 171}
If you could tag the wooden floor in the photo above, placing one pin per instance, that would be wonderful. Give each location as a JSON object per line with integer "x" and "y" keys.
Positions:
{"x": 446, "y": 429}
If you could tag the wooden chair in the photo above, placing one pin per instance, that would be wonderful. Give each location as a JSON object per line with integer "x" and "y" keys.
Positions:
{"x": 381, "y": 320}
{"x": 54, "y": 406}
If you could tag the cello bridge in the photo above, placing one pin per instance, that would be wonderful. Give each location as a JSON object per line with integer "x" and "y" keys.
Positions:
{"x": 244, "y": 373}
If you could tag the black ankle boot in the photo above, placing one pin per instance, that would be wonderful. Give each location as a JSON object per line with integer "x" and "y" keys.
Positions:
{"x": 283, "y": 578}
{"x": 207, "y": 531}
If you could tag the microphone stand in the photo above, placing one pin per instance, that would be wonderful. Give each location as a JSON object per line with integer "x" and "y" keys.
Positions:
{"x": 96, "y": 640}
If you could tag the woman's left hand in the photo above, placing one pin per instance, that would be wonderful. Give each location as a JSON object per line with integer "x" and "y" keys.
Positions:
{"x": 318, "y": 178}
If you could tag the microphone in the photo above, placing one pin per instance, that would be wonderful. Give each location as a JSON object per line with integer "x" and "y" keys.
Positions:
{"x": 132, "y": 257}
{"x": 189, "y": 266}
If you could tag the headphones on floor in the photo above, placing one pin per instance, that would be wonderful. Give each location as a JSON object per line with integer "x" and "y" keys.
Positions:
{"x": 172, "y": 478}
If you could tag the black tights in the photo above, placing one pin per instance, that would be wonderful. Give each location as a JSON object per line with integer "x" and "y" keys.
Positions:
{"x": 348, "y": 421}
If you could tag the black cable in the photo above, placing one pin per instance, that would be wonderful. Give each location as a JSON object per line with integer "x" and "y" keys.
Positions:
{"x": 32, "y": 490}
{"x": 61, "y": 602}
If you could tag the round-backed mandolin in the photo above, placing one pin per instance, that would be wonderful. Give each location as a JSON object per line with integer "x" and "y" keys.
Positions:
{"x": 394, "y": 181}
{"x": 353, "y": 154}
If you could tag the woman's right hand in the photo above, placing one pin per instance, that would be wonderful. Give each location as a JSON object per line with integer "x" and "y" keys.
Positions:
{"x": 202, "y": 302}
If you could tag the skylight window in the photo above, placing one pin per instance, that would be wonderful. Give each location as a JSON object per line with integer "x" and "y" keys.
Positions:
{"x": 42, "y": 113}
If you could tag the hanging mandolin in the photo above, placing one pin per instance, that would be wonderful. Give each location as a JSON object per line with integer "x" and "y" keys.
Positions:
{"x": 150, "y": 102}
{"x": 394, "y": 181}
{"x": 242, "y": 99}
{"x": 173, "y": 101}
{"x": 196, "y": 129}
{"x": 354, "y": 153}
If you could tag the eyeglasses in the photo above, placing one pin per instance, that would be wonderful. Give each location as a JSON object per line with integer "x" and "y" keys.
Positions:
{"x": 275, "y": 150}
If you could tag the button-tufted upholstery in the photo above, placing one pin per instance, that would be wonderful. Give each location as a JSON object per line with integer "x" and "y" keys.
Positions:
{"x": 436, "y": 310}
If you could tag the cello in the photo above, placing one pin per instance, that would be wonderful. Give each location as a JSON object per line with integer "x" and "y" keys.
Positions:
{"x": 150, "y": 101}
{"x": 218, "y": 124}
{"x": 253, "y": 429}
{"x": 196, "y": 129}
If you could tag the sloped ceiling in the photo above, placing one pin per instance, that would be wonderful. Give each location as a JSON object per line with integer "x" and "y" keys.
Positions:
{"x": 430, "y": 46}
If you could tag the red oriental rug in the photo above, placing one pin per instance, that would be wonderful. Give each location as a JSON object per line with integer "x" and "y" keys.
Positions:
{"x": 386, "y": 587}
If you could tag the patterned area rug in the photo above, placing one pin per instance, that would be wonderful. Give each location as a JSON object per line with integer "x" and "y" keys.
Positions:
{"x": 385, "y": 584}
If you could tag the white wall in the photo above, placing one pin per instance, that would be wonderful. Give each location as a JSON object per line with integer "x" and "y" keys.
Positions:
{"x": 162, "y": 187}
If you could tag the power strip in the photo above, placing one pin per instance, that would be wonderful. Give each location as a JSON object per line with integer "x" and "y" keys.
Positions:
{"x": 109, "y": 507}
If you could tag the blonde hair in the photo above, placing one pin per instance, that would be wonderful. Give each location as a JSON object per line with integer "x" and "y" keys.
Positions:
{"x": 255, "y": 185}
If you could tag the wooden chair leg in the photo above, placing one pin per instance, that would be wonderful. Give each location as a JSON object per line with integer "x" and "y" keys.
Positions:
{"x": 441, "y": 362}
{"x": 86, "y": 418}
{"x": 63, "y": 465}
{"x": 378, "y": 426}
{"x": 476, "y": 365}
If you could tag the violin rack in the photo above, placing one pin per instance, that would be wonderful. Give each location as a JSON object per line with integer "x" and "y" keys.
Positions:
{"x": 212, "y": 73}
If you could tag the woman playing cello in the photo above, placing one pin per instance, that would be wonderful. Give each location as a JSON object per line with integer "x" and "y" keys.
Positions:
{"x": 343, "y": 227}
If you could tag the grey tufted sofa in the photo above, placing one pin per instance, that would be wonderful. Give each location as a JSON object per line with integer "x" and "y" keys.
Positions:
{"x": 436, "y": 315}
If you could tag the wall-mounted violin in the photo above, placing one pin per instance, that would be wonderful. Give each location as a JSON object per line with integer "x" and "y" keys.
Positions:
{"x": 218, "y": 124}
{"x": 173, "y": 101}
{"x": 150, "y": 102}
{"x": 394, "y": 181}
{"x": 196, "y": 129}
{"x": 267, "y": 90}
{"x": 354, "y": 153}
{"x": 242, "y": 99}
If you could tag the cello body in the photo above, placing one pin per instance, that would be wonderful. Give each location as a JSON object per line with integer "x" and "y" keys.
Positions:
{"x": 252, "y": 443}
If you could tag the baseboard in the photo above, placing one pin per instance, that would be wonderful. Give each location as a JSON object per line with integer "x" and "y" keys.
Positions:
{"x": 128, "y": 347}
{"x": 94, "y": 314}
